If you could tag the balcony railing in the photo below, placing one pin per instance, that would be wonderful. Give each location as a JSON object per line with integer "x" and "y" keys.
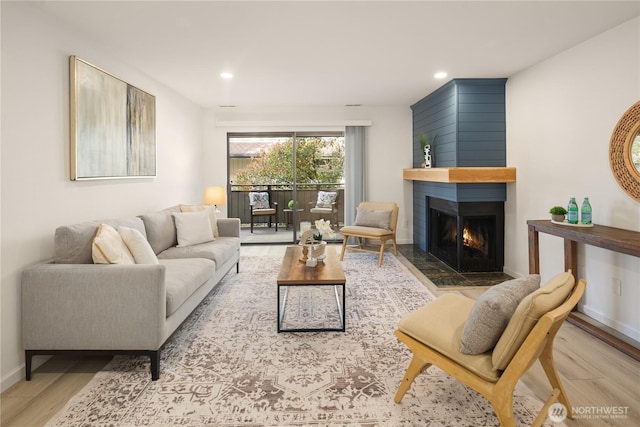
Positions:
{"x": 238, "y": 203}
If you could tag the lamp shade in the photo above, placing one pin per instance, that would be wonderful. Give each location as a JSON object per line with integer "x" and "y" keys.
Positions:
{"x": 215, "y": 196}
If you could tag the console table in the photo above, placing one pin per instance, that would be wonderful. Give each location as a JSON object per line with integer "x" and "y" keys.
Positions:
{"x": 614, "y": 239}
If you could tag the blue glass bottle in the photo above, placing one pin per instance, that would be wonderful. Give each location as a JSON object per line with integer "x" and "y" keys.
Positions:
{"x": 585, "y": 212}
{"x": 572, "y": 215}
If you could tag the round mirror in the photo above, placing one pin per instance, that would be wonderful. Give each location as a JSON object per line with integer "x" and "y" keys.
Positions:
{"x": 624, "y": 151}
{"x": 635, "y": 151}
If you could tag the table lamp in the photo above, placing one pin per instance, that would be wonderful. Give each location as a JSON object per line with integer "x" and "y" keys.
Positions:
{"x": 215, "y": 196}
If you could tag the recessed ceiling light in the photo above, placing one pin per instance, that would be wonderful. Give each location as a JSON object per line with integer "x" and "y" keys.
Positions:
{"x": 440, "y": 75}
{"x": 226, "y": 75}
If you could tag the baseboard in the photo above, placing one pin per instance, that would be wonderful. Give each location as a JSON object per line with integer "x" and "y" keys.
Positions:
{"x": 18, "y": 374}
{"x": 614, "y": 324}
{"x": 510, "y": 272}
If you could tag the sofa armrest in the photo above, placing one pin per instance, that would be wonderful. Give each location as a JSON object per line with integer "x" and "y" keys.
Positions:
{"x": 229, "y": 227}
{"x": 93, "y": 307}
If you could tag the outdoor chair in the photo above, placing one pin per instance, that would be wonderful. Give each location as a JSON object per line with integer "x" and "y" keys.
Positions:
{"x": 261, "y": 207}
{"x": 374, "y": 221}
{"x": 434, "y": 333}
{"x": 325, "y": 207}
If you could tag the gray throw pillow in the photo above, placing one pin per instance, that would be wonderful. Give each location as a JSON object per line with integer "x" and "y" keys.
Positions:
{"x": 373, "y": 218}
{"x": 492, "y": 311}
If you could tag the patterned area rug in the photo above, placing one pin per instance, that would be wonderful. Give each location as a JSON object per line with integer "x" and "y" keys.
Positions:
{"x": 228, "y": 366}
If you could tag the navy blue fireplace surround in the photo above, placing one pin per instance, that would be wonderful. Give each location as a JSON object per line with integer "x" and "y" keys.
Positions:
{"x": 465, "y": 122}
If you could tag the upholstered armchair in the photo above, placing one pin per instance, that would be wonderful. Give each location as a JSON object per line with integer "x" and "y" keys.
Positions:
{"x": 488, "y": 347}
{"x": 325, "y": 207}
{"x": 374, "y": 221}
{"x": 261, "y": 206}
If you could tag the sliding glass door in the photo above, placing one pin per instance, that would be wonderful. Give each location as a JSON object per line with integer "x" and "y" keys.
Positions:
{"x": 290, "y": 171}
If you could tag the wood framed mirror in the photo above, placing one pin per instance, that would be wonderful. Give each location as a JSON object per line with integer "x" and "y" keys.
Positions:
{"x": 624, "y": 151}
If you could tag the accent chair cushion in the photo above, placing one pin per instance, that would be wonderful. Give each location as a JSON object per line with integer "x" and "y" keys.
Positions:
{"x": 439, "y": 324}
{"x": 373, "y": 218}
{"x": 326, "y": 199}
{"x": 193, "y": 228}
{"x": 138, "y": 246}
{"x": 492, "y": 311}
{"x": 212, "y": 215}
{"x": 109, "y": 248}
{"x": 259, "y": 199}
{"x": 527, "y": 314}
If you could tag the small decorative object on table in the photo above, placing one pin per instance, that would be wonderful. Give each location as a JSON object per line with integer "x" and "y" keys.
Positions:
{"x": 323, "y": 228}
{"x": 306, "y": 238}
{"x": 572, "y": 217}
{"x": 557, "y": 213}
{"x": 585, "y": 212}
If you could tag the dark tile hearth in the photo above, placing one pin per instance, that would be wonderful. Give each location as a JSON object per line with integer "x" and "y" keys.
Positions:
{"x": 444, "y": 276}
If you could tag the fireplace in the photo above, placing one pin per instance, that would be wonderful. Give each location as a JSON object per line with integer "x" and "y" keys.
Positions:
{"x": 467, "y": 236}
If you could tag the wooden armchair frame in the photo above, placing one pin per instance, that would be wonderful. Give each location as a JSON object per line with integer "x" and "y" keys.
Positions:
{"x": 362, "y": 233}
{"x": 537, "y": 346}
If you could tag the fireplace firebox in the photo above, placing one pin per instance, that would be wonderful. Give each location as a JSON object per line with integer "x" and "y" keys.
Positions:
{"x": 467, "y": 236}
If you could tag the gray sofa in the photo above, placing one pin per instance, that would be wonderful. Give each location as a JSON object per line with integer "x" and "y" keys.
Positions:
{"x": 70, "y": 305}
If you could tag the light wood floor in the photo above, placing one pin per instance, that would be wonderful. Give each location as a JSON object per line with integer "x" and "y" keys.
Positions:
{"x": 596, "y": 376}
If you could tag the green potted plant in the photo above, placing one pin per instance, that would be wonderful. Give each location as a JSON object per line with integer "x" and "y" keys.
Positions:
{"x": 557, "y": 213}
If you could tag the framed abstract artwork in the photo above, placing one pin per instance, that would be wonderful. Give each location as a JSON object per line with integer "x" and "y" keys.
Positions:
{"x": 113, "y": 126}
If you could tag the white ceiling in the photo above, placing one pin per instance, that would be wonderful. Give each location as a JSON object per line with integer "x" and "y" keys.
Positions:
{"x": 333, "y": 53}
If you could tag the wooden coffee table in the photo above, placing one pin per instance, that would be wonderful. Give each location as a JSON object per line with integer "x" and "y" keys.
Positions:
{"x": 295, "y": 273}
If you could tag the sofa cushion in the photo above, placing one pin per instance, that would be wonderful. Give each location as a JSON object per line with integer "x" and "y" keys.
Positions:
{"x": 73, "y": 242}
{"x": 492, "y": 311}
{"x": 529, "y": 311}
{"x": 138, "y": 246}
{"x": 210, "y": 210}
{"x": 439, "y": 325}
{"x": 183, "y": 277}
{"x": 161, "y": 228}
{"x": 193, "y": 228}
{"x": 109, "y": 248}
{"x": 220, "y": 250}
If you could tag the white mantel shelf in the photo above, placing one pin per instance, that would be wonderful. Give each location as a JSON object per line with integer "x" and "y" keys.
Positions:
{"x": 472, "y": 175}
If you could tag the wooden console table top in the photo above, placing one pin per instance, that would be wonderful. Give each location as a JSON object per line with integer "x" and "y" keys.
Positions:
{"x": 611, "y": 238}
{"x": 615, "y": 239}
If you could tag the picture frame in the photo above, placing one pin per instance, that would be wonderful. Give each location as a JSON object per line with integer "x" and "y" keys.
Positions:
{"x": 112, "y": 126}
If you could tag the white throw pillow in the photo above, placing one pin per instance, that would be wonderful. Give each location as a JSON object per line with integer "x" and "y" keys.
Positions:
{"x": 212, "y": 215}
{"x": 193, "y": 228}
{"x": 138, "y": 246}
{"x": 109, "y": 248}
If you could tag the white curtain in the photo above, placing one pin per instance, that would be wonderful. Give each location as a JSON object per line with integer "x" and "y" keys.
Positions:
{"x": 354, "y": 170}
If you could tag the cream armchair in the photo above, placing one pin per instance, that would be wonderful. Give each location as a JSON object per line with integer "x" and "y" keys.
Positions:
{"x": 374, "y": 221}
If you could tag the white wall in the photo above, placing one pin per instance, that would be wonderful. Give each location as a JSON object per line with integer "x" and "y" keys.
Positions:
{"x": 388, "y": 152}
{"x": 37, "y": 195}
{"x": 560, "y": 116}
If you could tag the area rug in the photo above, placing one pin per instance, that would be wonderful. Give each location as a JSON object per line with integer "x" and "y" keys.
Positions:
{"x": 228, "y": 366}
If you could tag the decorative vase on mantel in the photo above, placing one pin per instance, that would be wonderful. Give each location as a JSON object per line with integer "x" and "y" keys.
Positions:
{"x": 427, "y": 156}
